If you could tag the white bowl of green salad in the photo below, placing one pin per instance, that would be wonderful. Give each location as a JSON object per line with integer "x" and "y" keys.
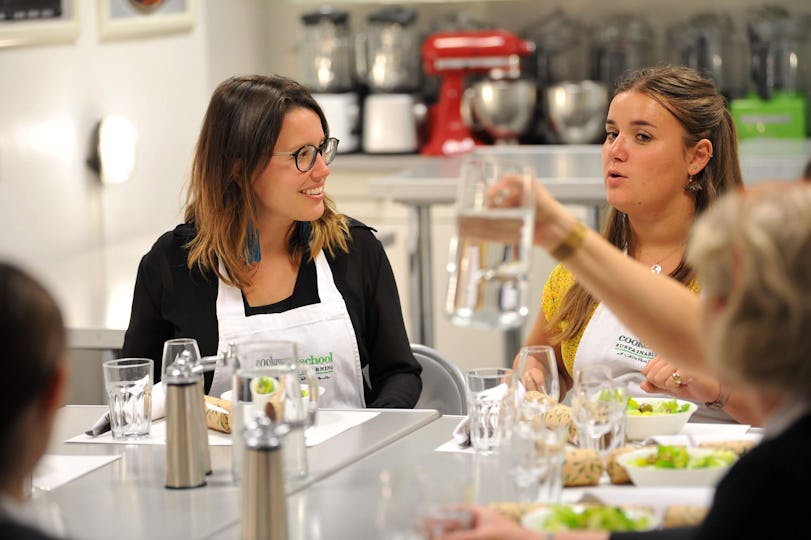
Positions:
{"x": 676, "y": 465}
{"x": 589, "y": 517}
{"x": 651, "y": 416}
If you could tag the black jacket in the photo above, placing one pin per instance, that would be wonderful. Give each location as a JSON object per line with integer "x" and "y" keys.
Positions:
{"x": 171, "y": 301}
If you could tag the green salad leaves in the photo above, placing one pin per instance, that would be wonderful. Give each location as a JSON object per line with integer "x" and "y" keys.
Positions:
{"x": 678, "y": 457}
{"x": 670, "y": 406}
{"x": 593, "y": 518}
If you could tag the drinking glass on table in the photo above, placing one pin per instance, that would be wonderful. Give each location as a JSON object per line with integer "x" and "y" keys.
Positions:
{"x": 490, "y": 252}
{"x": 268, "y": 380}
{"x": 128, "y": 383}
{"x": 487, "y": 404}
{"x": 599, "y": 412}
{"x": 537, "y": 383}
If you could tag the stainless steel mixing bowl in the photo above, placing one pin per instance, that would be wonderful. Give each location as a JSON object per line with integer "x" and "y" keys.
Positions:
{"x": 574, "y": 112}
{"x": 503, "y": 108}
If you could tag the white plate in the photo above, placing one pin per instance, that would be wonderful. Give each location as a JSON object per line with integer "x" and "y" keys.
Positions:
{"x": 652, "y": 476}
{"x": 227, "y": 394}
{"x": 639, "y": 428}
{"x": 536, "y": 520}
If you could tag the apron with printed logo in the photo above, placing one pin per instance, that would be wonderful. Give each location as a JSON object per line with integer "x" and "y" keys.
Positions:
{"x": 606, "y": 340}
{"x": 322, "y": 331}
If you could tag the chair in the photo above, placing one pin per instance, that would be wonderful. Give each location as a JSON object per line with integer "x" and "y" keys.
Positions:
{"x": 443, "y": 385}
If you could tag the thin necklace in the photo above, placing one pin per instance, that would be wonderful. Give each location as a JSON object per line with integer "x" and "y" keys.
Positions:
{"x": 656, "y": 267}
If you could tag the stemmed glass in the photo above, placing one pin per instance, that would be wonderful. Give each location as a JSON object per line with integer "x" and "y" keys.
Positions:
{"x": 598, "y": 409}
{"x": 533, "y": 450}
{"x": 546, "y": 381}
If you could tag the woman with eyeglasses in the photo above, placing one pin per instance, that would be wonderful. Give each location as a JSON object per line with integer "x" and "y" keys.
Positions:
{"x": 263, "y": 254}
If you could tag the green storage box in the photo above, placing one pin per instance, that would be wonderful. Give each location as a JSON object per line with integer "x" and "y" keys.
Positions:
{"x": 781, "y": 117}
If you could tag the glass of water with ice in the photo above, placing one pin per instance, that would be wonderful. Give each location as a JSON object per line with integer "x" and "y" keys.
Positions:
{"x": 490, "y": 252}
{"x": 128, "y": 382}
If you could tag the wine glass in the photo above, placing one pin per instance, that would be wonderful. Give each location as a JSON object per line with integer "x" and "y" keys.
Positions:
{"x": 544, "y": 391}
{"x": 598, "y": 412}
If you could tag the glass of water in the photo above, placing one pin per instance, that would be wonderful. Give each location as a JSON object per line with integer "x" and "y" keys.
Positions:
{"x": 490, "y": 252}
{"x": 128, "y": 382}
{"x": 268, "y": 381}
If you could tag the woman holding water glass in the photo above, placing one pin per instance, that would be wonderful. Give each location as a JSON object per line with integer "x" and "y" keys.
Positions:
{"x": 670, "y": 151}
{"x": 263, "y": 254}
{"x": 752, "y": 250}
{"x": 33, "y": 389}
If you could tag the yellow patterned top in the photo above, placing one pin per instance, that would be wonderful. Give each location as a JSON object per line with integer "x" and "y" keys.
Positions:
{"x": 554, "y": 291}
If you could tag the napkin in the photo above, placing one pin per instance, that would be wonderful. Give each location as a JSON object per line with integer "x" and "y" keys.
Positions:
{"x": 102, "y": 425}
{"x": 461, "y": 433}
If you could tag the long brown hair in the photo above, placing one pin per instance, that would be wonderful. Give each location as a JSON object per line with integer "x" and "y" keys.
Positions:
{"x": 238, "y": 135}
{"x": 698, "y": 106}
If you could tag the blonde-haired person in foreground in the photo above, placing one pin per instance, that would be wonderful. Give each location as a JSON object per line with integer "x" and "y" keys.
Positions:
{"x": 33, "y": 387}
{"x": 752, "y": 250}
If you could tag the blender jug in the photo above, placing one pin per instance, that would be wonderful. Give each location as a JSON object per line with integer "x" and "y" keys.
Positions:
{"x": 387, "y": 53}
{"x": 704, "y": 43}
{"x": 326, "y": 51}
{"x": 624, "y": 42}
{"x": 777, "y": 41}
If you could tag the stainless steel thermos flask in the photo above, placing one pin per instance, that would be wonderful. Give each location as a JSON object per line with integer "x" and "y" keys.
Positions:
{"x": 264, "y": 506}
{"x": 185, "y": 467}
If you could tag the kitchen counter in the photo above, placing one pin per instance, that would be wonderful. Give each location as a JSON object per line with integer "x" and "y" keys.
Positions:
{"x": 571, "y": 173}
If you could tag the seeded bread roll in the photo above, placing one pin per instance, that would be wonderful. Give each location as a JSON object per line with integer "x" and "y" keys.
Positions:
{"x": 582, "y": 467}
{"x": 739, "y": 447}
{"x": 561, "y": 415}
{"x": 617, "y": 472}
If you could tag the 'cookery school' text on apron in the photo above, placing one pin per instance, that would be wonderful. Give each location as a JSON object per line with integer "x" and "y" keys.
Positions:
{"x": 606, "y": 340}
{"x": 609, "y": 342}
{"x": 322, "y": 331}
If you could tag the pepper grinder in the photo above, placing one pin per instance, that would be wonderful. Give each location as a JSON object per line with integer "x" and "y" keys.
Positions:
{"x": 264, "y": 506}
{"x": 184, "y": 459}
{"x": 202, "y": 426}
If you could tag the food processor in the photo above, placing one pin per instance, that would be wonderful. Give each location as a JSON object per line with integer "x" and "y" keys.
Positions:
{"x": 327, "y": 70}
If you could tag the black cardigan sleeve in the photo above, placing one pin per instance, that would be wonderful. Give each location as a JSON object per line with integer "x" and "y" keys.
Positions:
{"x": 370, "y": 291}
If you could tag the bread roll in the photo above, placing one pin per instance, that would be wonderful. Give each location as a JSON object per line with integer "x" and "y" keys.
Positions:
{"x": 582, "y": 467}
{"x": 739, "y": 447}
{"x": 561, "y": 415}
{"x": 218, "y": 420}
{"x": 617, "y": 472}
{"x": 682, "y": 515}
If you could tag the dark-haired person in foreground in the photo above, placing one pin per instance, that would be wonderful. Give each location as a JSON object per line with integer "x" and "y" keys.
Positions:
{"x": 32, "y": 339}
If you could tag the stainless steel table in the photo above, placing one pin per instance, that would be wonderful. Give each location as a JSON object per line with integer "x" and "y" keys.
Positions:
{"x": 127, "y": 498}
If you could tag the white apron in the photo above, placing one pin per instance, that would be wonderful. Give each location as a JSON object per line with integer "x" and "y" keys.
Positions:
{"x": 323, "y": 333}
{"x": 606, "y": 340}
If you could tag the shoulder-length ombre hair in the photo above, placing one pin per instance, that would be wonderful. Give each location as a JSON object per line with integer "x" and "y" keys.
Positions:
{"x": 238, "y": 135}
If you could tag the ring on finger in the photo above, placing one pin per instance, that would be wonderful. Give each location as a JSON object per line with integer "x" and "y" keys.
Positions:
{"x": 676, "y": 378}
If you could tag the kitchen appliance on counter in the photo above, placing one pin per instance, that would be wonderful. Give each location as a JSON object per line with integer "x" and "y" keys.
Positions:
{"x": 705, "y": 42}
{"x": 454, "y": 56}
{"x": 621, "y": 42}
{"x": 571, "y": 107}
{"x": 780, "y": 56}
{"x": 501, "y": 108}
{"x": 387, "y": 62}
{"x": 327, "y": 64}
{"x": 574, "y": 112}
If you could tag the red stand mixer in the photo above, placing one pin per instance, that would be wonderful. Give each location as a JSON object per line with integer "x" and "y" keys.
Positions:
{"x": 453, "y": 56}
